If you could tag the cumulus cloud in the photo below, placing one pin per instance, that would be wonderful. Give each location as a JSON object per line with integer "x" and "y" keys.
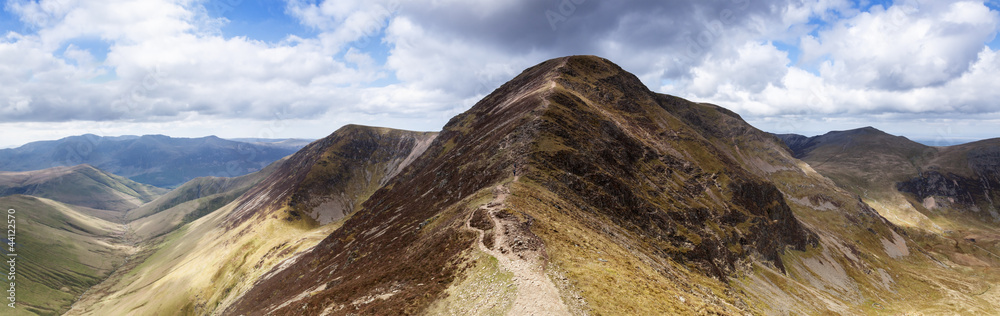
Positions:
{"x": 416, "y": 63}
{"x": 168, "y": 60}
{"x": 927, "y": 59}
{"x": 905, "y": 46}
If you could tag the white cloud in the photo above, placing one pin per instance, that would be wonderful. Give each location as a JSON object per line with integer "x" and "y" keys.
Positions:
{"x": 928, "y": 59}
{"x": 804, "y": 93}
{"x": 905, "y": 46}
{"x": 167, "y": 63}
{"x": 754, "y": 68}
{"x": 167, "y": 60}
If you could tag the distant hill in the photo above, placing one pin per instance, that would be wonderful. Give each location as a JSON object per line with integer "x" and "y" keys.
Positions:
{"x": 151, "y": 159}
{"x": 83, "y": 185}
{"x": 880, "y": 166}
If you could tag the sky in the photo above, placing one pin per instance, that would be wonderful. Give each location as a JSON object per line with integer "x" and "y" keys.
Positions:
{"x": 923, "y": 69}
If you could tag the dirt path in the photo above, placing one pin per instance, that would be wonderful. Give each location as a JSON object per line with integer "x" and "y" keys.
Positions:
{"x": 536, "y": 294}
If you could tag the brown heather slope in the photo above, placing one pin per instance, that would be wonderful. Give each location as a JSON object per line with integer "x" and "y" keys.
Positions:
{"x": 201, "y": 267}
{"x": 627, "y": 202}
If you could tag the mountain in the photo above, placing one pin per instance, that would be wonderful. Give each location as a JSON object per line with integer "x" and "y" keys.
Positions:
{"x": 907, "y": 179}
{"x": 61, "y": 252}
{"x": 202, "y": 266}
{"x": 945, "y": 195}
{"x": 151, "y": 159}
{"x": 571, "y": 189}
{"x": 574, "y": 189}
{"x": 83, "y": 185}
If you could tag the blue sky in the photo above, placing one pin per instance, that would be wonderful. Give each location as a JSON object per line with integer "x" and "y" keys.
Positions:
{"x": 263, "y": 20}
{"x": 253, "y": 68}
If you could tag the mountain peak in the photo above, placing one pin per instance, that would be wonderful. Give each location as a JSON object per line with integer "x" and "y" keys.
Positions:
{"x": 859, "y": 139}
{"x": 570, "y": 81}
{"x": 867, "y": 130}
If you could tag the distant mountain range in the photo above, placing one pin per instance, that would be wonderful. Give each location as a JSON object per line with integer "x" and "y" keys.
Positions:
{"x": 152, "y": 159}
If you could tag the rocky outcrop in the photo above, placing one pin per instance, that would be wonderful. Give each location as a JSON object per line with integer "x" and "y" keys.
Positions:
{"x": 933, "y": 183}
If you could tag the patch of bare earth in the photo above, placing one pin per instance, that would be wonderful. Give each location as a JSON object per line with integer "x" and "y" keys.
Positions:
{"x": 520, "y": 252}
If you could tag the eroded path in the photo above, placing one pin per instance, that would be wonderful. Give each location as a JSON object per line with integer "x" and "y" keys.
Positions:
{"x": 520, "y": 252}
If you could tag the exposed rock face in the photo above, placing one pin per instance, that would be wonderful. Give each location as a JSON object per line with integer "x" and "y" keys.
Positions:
{"x": 976, "y": 194}
{"x": 933, "y": 183}
{"x": 984, "y": 160}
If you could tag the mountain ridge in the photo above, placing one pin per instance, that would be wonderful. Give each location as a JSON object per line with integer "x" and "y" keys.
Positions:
{"x": 562, "y": 134}
{"x": 156, "y": 160}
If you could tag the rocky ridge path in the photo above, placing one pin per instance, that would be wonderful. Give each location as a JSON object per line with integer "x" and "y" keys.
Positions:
{"x": 518, "y": 253}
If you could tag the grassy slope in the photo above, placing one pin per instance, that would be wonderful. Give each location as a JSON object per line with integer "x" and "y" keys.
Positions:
{"x": 607, "y": 269}
{"x": 191, "y": 201}
{"x": 81, "y": 185}
{"x": 61, "y": 253}
{"x": 201, "y": 266}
